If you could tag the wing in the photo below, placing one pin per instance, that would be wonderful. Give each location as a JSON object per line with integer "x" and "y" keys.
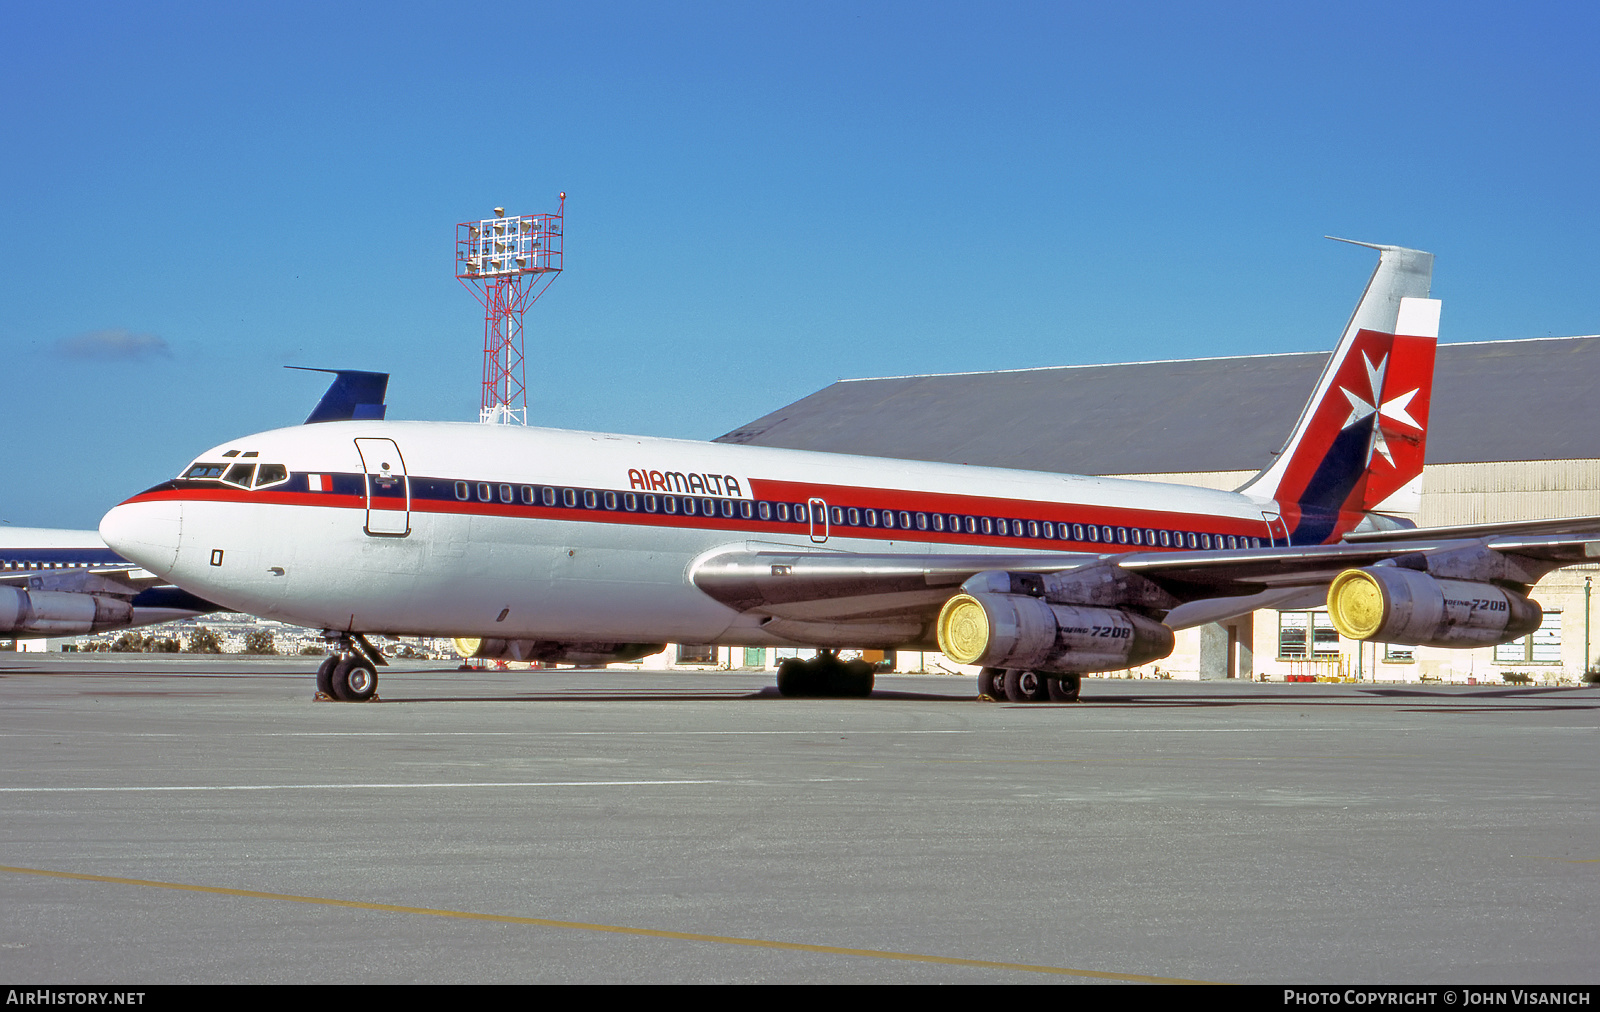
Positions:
{"x": 836, "y": 599}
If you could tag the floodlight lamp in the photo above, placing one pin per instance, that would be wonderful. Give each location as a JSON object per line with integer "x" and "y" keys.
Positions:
{"x": 499, "y": 212}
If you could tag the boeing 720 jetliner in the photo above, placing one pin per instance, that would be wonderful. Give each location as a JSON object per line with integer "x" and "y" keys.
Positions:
{"x": 589, "y": 547}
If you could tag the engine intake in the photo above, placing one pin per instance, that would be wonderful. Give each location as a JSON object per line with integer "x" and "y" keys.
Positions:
{"x": 1019, "y": 631}
{"x": 1394, "y": 605}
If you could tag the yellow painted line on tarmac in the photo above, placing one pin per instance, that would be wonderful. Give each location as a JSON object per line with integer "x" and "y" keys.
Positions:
{"x": 541, "y": 922}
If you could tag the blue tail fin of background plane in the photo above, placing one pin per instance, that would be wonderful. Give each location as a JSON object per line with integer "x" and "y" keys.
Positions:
{"x": 353, "y": 395}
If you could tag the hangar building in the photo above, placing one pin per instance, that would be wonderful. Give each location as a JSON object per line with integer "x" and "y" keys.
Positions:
{"x": 1511, "y": 436}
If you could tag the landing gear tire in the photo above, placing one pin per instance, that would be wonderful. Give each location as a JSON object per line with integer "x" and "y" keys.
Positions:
{"x": 1065, "y": 689}
{"x": 325, "y": 675}
{"x": 825, "y": 675}
{"x": 853, "y": 678}
{"x": 1024, "y": 686}
{"x": 353, "y": 680}
{"x": 991, "y": 683}
{"x": 795, "y": 678}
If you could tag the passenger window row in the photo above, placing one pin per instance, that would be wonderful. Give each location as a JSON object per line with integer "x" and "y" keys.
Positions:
{"x": 844, "y": 516}
{"x": 955, "y": 523}
{"x": 632, "y": 502}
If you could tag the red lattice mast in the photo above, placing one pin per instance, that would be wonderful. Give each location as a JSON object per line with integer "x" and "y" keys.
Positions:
{"x": 507, "y": 263}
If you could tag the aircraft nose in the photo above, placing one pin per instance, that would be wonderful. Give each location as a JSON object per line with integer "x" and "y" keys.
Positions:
{"x": 146, "y": 533}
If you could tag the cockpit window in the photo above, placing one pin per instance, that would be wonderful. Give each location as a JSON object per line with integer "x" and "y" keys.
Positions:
{"x": 271, "y": 474}
{"x": 205, "y": 471}
{"x": 240, "y": 474}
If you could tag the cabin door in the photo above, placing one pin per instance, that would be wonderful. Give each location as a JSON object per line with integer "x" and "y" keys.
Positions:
{"x": 388, "y": 491}
{"x": 819, "y": 521}
{"x": 1276, "y": 530}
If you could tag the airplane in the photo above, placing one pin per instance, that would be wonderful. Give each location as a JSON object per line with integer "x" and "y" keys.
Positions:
{"x": 68, "y": 583}
{"x": 586, "y": 547}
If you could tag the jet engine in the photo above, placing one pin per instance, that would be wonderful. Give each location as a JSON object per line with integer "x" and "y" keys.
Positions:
{"x": 60, "y": 613}
{"x": 1391, "y": 604}
{"x": 1021, "y": 631}
{"x": 553, "y": 652}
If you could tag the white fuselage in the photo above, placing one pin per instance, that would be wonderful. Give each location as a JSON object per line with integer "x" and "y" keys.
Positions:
{"x": 450, "y": 529}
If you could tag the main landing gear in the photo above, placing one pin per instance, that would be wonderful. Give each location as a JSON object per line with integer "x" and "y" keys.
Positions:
{"x": 1018, "y": 685}
{"x": 351, "y": 674}
{"x": 825, "y": 675}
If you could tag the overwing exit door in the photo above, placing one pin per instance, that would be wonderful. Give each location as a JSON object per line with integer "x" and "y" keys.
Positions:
{"x": 388, "y": 491}
{"x": 819, "y": 520}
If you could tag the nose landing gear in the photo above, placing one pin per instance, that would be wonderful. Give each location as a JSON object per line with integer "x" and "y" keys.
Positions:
{"x": 351, "y": 674}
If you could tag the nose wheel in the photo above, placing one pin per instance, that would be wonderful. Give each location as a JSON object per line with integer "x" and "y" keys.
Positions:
{"x": 351, "y": 675}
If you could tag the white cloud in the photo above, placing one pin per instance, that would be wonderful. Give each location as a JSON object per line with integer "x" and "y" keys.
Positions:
{"x": 116, "y": 345}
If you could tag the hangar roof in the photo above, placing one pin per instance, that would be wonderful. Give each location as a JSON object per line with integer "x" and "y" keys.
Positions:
{"x": 1492, "y": 400}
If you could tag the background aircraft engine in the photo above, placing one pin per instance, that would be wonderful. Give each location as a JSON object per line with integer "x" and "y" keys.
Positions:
{"x": 1394, "y": 605}
{"x": 1018, "y": 631}
{"x": 554, "y": 652}
{"x": 59, "y": 613}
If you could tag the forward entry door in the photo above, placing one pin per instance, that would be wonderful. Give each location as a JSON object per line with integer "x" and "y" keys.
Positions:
{"x": 388, "y": 491}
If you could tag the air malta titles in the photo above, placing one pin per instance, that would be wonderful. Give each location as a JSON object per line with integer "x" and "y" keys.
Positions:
{"x": 677, "y": 481}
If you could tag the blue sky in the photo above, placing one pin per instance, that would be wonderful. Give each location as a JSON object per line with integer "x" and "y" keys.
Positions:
{"x": 762, "y": 198}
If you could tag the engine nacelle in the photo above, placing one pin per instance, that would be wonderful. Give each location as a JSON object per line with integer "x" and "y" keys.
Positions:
{"x": 553, "y": 652}
{"x": 1019, "y": 631}
{"x": 1395, "y": 605}
{"x": 58, "y": 613}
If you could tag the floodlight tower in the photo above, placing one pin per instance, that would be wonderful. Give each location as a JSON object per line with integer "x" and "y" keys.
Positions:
{"x": 507, "y": 263}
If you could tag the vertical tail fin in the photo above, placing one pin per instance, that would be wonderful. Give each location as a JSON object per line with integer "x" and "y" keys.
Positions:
{"x": 1362, "y": 435}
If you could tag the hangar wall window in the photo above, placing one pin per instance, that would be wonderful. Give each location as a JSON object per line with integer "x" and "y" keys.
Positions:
{"x": 1306, "y": 635}
{"x": 1396, "y": 653}
{"x": 697, "y": 653}
{"x": 1542, "y": 646}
